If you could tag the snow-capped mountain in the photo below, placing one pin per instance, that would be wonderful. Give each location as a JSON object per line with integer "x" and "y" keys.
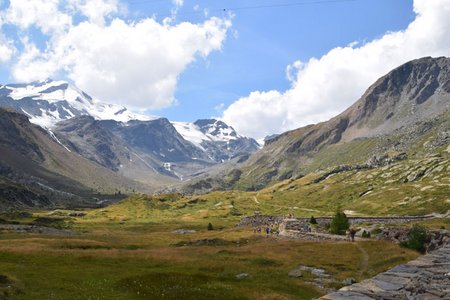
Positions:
{"x": 116, "y": 138}
{"x": 49, "y": 102}
{"x": 220, "y": 141}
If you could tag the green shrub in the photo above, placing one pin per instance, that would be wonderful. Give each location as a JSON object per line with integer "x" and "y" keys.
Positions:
{"x": 210, "y": 227}
{"x": 340, "y": 223}
{"x": 365, "y": 234}
{"x": 417, "y": 238}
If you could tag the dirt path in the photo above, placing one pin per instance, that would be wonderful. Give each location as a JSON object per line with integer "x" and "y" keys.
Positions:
{"x": 365, "y": 260}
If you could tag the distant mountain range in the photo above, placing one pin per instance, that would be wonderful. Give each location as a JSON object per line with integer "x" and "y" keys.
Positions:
{"x": 97, "y": 130}
{"x": 141, "y": 153}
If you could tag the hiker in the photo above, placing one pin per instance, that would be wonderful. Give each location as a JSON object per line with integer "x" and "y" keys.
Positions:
{"x": 267, "y": 229}
{"x": 347, "y": 234}
{"x": 352, "y": 234}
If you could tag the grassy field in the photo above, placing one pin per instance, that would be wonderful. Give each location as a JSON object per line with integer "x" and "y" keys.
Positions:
{"x": 125, "y": 252}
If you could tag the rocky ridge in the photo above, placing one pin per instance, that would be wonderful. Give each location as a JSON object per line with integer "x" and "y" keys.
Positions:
{"x": 398, "y": 113}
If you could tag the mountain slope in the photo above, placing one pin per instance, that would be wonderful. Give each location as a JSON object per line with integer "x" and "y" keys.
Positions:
{"x": 34, "y": 160}
{"x": 398, "y": 113}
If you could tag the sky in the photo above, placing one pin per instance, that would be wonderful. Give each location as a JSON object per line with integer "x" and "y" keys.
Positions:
{"x": 262, "y": 66}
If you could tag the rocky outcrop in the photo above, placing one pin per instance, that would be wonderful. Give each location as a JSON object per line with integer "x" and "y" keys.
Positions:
{"x": 427, "y": 277}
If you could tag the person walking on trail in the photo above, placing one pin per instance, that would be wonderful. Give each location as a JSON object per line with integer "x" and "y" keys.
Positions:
{"x": 352, "y": 234}
{"x": 267, "y": 229}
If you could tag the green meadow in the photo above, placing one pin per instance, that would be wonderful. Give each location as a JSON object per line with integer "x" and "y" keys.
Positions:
{"x": 125, "y": 251}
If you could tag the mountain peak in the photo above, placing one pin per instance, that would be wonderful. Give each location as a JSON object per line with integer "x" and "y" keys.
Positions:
{"x": 398, "y": 98}
{"x": 48, "y": 102}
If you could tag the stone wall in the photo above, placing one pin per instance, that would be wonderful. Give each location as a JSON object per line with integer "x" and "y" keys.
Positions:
{"x": 301, "y": 223}
{"x": 260, "y": 220}
{"x": 427, "y": 277}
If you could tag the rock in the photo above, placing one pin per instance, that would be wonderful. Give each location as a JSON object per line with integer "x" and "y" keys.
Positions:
{"x": 242, "y": 276}
{"x": 342, "y": 295}
{"x": 348, "y": 281}
{"x": 319, "y": 272}
{"x": 76, "y": 214}
{"x": 184, "y": 231}
{"x": 295, "y": 273}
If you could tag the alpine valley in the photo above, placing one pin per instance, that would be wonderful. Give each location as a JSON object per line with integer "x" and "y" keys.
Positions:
{"x": 97, "y": 202}
{"x": 61, "y": 147}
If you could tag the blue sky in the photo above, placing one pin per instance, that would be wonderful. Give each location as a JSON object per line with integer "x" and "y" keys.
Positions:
{"x": 263, "y": 66}
{"x": 269, "y": 39}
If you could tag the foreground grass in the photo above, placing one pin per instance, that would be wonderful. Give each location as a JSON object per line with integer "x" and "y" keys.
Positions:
{"x": 139, "y": 259}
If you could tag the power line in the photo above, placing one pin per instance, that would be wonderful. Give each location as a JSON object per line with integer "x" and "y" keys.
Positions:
{"x": 280, "y": 5}
{"x": 286, "y": 4}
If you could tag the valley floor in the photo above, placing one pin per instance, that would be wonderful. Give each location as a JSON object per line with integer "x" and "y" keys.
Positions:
{"x": 180, "y": 259}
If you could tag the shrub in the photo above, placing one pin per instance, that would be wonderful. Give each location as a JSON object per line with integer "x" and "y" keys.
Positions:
{"x": 365, "y": 234}
{"x": 340, "y": 223}
{"x": 417, "y": 238}
{"x": 312, "y": 220}
{"x": 210, "y": 227}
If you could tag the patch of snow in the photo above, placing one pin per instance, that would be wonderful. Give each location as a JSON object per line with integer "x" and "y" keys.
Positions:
{"x": 57, "y": 140}
{"x": 190, "y": 132}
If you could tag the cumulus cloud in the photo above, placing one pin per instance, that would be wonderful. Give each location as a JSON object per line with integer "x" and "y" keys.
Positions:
{"x": 95, "y": 10}
{"x": 7, "y": 49}
{"x": 44, "y": 14}
{"x": 133, "y": 63}
{"x": 323, "y": 87}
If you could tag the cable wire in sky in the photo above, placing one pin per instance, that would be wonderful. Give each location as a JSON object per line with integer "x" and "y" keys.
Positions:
{"x": 286, "y": 4}
{"x": 262, "y": 6}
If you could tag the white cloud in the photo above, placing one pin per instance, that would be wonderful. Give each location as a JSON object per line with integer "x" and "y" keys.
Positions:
{"x": 31, "y": 64}
{"x": 95, "y": 10}
{"x": 323, "y": 87}
{"x": 7, "y": 49}
{"x": 44, "y": 14}
{"x": 130, "y": 63}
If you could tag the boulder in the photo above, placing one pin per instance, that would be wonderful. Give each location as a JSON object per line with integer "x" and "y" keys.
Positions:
{"x": 296, "y": 273}
{"x": 242, "y": 276}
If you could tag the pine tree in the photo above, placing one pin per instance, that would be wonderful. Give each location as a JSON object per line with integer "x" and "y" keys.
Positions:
{"x": 340, "y": 223}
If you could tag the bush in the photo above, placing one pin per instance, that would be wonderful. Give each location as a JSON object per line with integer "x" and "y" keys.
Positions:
{"x": 312, "y": 220}
{"x": 365, "y": 234}
{"x": 340, "y": 223}
{"x": 417, "y": 238}
{"x": 210, "y": 227}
